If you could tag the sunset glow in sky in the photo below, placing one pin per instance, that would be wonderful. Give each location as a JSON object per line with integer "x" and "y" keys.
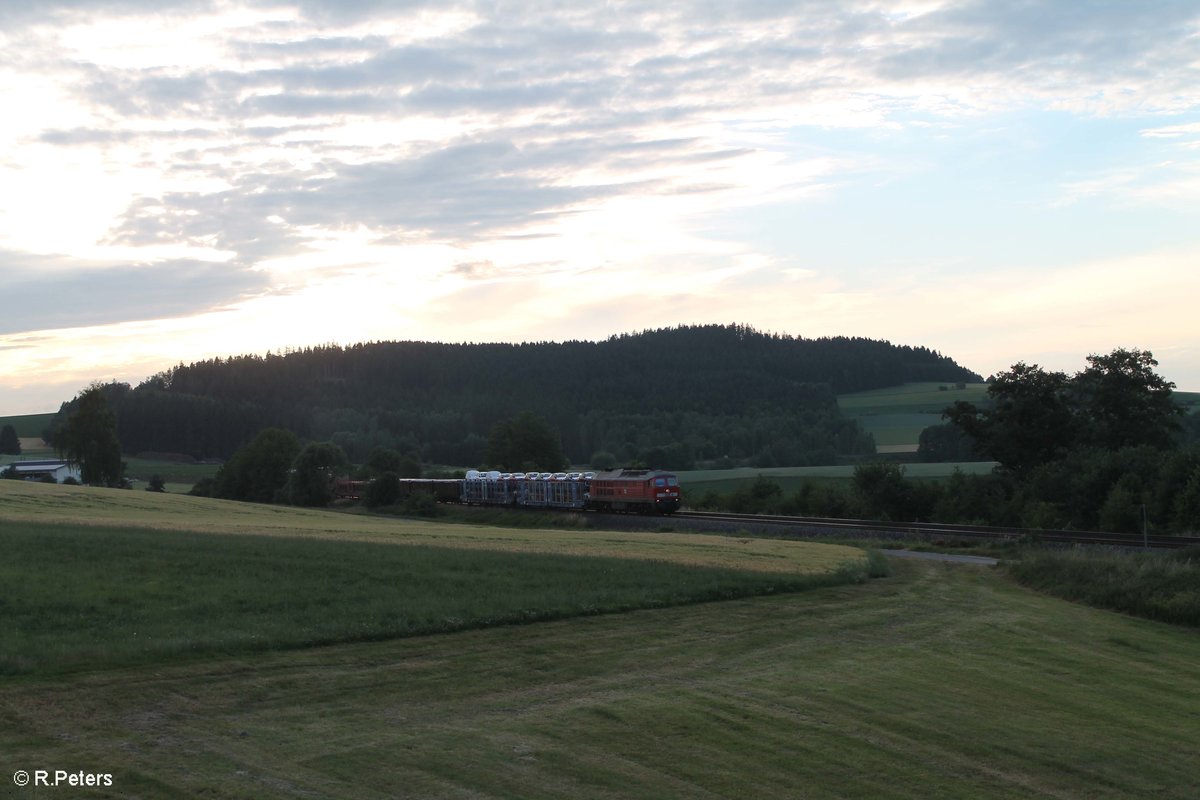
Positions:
{"x": 1000, "y": 182}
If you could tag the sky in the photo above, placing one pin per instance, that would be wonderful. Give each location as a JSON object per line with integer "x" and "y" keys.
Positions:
{"x": 1001, "y": 182}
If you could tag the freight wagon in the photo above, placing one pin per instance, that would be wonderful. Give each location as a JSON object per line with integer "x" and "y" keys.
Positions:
{"x": 642, "y": 491}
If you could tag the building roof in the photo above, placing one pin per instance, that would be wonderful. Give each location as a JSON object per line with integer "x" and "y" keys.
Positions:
{"x": 37, "y": 466}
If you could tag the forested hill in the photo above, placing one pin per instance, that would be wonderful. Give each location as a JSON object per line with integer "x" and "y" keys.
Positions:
{"x": 674, "y": 396}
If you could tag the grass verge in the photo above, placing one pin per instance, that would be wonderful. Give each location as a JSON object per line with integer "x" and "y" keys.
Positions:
{"x": 1156, "y": 585}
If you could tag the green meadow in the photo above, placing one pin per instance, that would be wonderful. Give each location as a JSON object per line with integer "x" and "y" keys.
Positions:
{"x": 179, "y": 476}
{"x": 895, "y": 416}
{"x": 98, "y": 577}
{"x": 927, "y": 398}
{"x": 197, "y": 648}
{"x": 103, "y": 596}
{"x": 28, "y": 425}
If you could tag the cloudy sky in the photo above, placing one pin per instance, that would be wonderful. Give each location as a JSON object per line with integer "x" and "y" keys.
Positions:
{"x": 1000, "y": 181}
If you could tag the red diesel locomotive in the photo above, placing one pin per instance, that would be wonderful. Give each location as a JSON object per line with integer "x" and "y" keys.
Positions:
{"x": 642, "y": 490}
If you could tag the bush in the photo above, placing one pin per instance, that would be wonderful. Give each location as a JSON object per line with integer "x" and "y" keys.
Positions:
{"x": 383, "y": 491}
{"x": 420, "y": 505}
{"x": 708, "y": 500}
{"x": 824, "y": 500}
{"x": 883, "y": 491}
{"x": 762, "y": 496}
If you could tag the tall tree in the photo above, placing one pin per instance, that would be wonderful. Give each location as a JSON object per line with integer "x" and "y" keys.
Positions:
{"x": 10, "y": 445}
{"x": 1030, "y": 420}
{"x": 311, "y": 479}
{"x": 1125, "y": 403}
{"x": 525, "y": 442}
{"x": 90, "y": 439}
{"x": 258, "y": 472}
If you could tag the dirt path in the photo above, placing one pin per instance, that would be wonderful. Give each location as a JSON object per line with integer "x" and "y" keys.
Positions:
{"x": 982, "y": 561}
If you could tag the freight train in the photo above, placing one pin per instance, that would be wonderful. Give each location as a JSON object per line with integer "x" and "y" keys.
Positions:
{"x": 642, "y": 491}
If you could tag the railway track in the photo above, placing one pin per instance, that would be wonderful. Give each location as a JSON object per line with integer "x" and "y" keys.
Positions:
{"x": 818, "y": 524}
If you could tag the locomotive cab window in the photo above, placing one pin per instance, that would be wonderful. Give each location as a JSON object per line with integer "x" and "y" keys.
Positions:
{"x": 660, "y": 481}
{"x": 672, "y": 481}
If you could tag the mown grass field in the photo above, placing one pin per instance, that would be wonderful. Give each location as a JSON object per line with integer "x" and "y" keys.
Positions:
{"x": 939, "y": 682}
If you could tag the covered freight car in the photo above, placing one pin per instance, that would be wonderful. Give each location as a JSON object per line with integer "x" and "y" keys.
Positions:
{"x": 531, "y": 489}
{"x": 631, "y": 490}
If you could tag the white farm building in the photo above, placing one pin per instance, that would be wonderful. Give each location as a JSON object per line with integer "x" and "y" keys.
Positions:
{"x": 37, "y": 470}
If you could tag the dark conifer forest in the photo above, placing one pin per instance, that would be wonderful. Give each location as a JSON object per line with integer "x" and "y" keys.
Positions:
{"x": 670, "y": 398}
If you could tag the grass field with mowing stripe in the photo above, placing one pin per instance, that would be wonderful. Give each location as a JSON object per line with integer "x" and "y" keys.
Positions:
{"x": 940, "y": 682}
{"x": 85, "y": 506}
{"x": 123, "y": 577}
{"x": 100, "y": 596}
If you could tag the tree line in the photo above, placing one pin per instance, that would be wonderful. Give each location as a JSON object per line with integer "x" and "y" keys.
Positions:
{"x": 1108, "y": 448}
{"x": 672, "y": 398}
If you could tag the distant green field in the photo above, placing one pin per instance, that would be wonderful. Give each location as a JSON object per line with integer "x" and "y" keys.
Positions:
{"x": 28, "y": 425}
{"x": 179, "y": 476}
{"x": 928, "y": 398}
{"x": 895, "y": 416}
{"x": 902, "y": 428}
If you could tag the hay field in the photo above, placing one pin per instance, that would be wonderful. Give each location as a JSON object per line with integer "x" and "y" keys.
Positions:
{"x": 86, "y": 506}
